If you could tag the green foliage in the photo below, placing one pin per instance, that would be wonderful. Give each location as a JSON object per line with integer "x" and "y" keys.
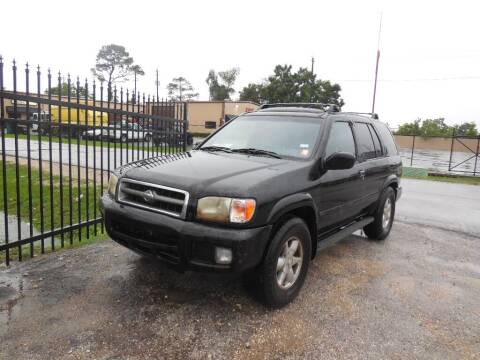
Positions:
{"x": 113, "y": 64}
{"x": 436, "y": 127}
{"x": 220, "y": 86}
{"x": 64, "y": 90}
{"x": 180, "y": 89}
{"x": 466, "y": 129}
{"x": 287, "y": 86}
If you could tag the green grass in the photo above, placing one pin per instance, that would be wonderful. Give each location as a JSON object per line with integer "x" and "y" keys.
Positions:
{"x": 422, "y": 174}
{"x": 61, "y": 208}
{"x": 106, "y": 144}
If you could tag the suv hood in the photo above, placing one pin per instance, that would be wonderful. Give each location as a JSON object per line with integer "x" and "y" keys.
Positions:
{"x": 208, "y": 173}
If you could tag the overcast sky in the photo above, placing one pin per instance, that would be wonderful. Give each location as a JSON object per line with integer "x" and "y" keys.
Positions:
{"x": 430, "y": 50}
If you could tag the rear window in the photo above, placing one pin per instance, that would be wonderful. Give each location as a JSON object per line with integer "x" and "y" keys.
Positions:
{"x": 387, "y": 138}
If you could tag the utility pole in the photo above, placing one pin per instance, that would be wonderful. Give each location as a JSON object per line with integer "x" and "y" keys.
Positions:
{"x": 376, "y": 65}
{"x": 157, "y": 83}
{"x": 313, "y": 62}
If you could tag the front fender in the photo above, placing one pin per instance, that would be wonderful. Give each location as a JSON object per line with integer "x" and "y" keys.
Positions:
{"x": 289, "y": 203}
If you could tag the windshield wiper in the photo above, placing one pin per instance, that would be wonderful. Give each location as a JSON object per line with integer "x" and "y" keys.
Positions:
{"x": 253, "y": 151}
{"x": 216, "y": 148}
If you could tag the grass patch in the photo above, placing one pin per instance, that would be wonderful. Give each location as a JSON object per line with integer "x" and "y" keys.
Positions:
{"x": 69, "y": 207}
{"x": 422, "y": 174}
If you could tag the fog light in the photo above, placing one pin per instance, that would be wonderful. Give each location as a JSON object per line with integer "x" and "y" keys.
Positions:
{"x": 223, "y": 256}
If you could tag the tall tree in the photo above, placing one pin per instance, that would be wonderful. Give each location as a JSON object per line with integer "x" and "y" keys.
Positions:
{"x": 137, "y": 71}
{"x": 180, "y": 89}
{"x": 113, "y": 64}
{"x": 220, "y": 86}
{"x": 288, "y": 86}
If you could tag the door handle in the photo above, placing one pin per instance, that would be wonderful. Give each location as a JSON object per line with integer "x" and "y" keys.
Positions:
{"x": 362, "y": 174}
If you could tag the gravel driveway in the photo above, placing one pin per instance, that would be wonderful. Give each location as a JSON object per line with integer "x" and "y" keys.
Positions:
{"x": 416, "y": 295}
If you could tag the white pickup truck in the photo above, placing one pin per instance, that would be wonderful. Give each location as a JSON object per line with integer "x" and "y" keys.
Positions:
{"x": 123, "y": 132}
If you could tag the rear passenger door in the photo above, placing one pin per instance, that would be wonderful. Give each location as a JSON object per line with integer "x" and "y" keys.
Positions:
{"x": 372, "y": 162}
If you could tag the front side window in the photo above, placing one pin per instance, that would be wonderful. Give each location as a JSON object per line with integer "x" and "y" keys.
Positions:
{"x": 290, "y": 136}
{"x": 366, "y": 148}
{"x": 340, "y": 139}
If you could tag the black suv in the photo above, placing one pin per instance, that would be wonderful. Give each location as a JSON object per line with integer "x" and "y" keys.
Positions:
{"x": 261, "y": 195}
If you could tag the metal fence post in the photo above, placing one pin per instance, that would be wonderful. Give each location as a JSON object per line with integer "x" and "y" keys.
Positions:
{"x": 413, "y": 148}
{"x": 451, "y": 151}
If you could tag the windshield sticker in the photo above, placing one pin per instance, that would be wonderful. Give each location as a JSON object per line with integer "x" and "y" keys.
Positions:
{"x": 304, "y": 146}
{"x": 305, "y": 152}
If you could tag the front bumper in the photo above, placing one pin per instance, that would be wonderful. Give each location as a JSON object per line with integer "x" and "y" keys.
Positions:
{"x": 184, "y": 245}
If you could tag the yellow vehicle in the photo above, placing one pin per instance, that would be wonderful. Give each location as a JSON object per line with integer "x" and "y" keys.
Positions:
{"x": 75, "y": 117}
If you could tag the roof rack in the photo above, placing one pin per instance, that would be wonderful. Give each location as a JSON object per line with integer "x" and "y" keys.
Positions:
{"x": 372, "y": 115}
{"x": 325, "y": 107}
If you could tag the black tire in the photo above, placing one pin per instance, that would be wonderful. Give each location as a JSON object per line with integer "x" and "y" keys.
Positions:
{"x": 264, "y": 280}
{"x": 123, "y": 138}
{"x": 147, "y": 138}
{"x": 377, "y": 230}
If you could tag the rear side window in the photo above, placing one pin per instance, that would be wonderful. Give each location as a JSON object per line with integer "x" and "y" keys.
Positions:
{"x": 340, "y": 139}
{"x": 366, "y": 147}
{"x": 387, "y": 138}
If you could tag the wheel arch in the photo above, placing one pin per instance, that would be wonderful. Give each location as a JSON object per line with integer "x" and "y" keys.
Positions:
{"x": 297, "y": 205}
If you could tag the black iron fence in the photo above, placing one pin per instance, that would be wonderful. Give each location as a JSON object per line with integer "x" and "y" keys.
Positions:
{"x": 454, "y": 154}
{"x": 60, "y": 140}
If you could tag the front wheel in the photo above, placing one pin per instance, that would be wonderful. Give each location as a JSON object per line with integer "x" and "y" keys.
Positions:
{"x": 281, "y": 276}
{"x": 384, "y": 214}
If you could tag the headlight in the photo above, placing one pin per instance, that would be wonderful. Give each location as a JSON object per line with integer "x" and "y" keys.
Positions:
{"x": 112, "y": 184}
{"x": 222, "y": 209}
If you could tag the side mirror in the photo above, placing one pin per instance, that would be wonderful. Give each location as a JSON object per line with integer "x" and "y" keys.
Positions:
{"x": 339, "y": 161}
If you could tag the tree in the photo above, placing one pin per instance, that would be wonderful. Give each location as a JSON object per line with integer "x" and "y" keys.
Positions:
{"x": 436, "y": 127}
{"x": 180, "y": 89}
{"x": 137, "y": 70}
{"x": 287, "y": 86}
{"x": 64, "y": 90}
{"x": 252, "y": 92}
{"x": 466, "y": 129}
{"x": 220, "y": 86}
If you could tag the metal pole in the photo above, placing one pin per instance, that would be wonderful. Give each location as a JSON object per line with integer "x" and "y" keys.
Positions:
{"x": 476, "y": 156}
{"x": 413, "y": 148}
{"x": 376, "y": 66}
{"x": 451, "y": 151}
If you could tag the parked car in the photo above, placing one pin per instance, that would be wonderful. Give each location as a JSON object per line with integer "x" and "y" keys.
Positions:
{"x": 124, "y": 132}
{"x": 261, "y": 196}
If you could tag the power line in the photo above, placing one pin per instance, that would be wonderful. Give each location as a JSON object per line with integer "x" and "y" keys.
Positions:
{"x": 414, "y": 80}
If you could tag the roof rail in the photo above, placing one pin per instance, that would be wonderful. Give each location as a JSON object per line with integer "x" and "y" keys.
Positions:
{"x": 372, "y": 115}
{"x": 325, "y": 107}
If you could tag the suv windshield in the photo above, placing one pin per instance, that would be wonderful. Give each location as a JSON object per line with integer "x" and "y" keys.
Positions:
{"x": 289, "y": 136}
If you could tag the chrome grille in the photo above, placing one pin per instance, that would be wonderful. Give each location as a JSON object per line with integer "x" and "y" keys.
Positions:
{"x": 158, "y": 198}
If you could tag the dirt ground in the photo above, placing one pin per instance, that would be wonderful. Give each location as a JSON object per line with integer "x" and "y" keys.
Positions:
{"x": 416, "y": 295}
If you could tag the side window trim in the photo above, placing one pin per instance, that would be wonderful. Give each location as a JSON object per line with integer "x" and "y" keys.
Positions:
{"x": 373, "y": 133}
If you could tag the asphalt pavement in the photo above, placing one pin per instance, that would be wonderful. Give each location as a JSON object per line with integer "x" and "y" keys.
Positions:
{"x": 413, "y": 296}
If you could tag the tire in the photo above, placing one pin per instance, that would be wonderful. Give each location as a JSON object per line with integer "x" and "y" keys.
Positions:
{"x": 147, "y": 138}
{"x": 123, "y": 138}
{"x": 384, "y": 215}
{"x": 267, "y": 281}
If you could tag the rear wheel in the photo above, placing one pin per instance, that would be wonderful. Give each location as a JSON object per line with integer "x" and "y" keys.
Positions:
{"x": 281, "y": 276}
{"x": 384, "y": 215}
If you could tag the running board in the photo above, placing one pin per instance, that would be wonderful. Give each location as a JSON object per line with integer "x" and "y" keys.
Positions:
{"x": 333, "y": 239}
